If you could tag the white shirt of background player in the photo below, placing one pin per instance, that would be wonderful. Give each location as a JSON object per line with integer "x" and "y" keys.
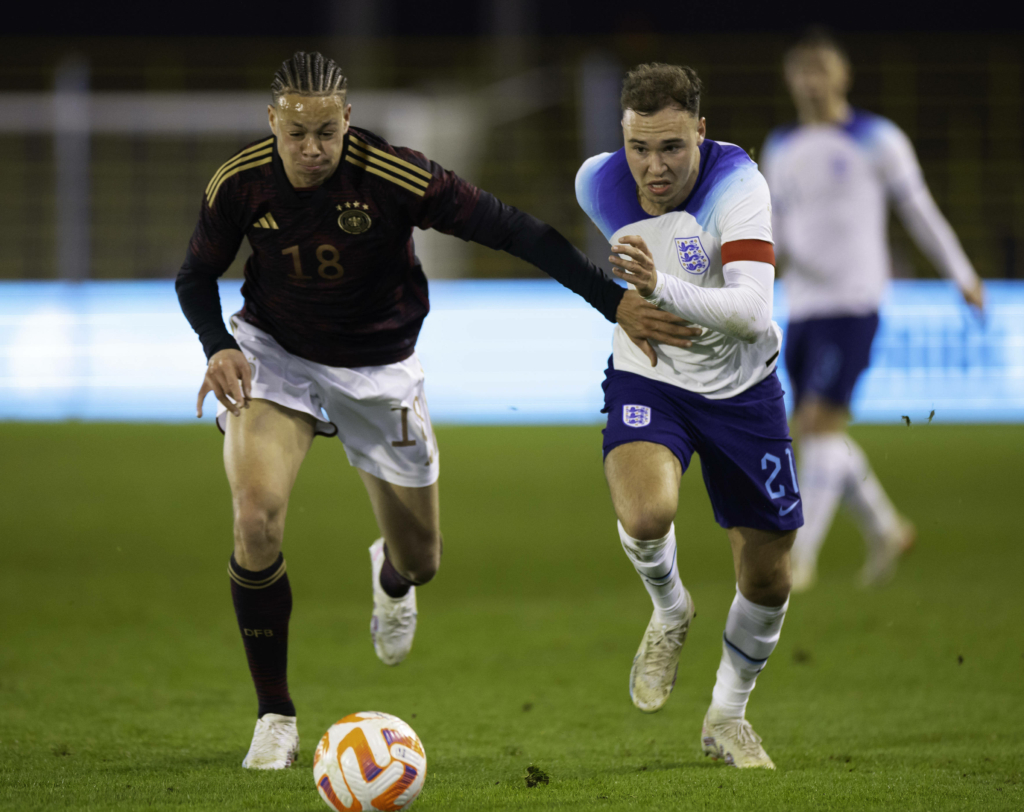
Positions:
{"x": 831, "y": 178}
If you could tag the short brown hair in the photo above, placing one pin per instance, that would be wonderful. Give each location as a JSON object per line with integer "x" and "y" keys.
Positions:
{"x": 655, "y": 86}
{"x": 813, "y": 39}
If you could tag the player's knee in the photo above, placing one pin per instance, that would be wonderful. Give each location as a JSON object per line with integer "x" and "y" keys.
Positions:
{"x": 259, "y": 524}
{"x": 770, "y": 588}
{"x": 648, "y": 522}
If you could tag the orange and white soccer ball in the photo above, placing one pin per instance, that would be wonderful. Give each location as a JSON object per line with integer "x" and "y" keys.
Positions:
{"x": 369, "y": 760}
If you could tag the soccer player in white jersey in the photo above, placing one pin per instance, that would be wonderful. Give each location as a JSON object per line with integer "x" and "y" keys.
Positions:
{"x": 832, "y": 177}
{"x": 689, "y": 220}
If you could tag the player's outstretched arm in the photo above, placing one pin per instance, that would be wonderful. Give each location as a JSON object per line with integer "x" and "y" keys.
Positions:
{"x": 742, "y": 309}
{"x": 922, "y": 217}
{"x": 508, "y": 229}
{"x": 453, "y": 206}
{"x": 937, "y": 240}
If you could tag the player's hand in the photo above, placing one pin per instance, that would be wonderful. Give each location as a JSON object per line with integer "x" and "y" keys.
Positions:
{"x": 975, "y": 296}
{"x": 643, "y": 323}
{"x": 638, "y": 269}
{"x": 229, "y": 377}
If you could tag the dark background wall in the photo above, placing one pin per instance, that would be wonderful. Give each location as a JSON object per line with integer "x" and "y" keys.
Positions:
{"x": 953, "y": 82}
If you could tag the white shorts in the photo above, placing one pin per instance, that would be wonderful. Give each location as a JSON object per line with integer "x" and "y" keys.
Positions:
{"x": 379, "y": 413}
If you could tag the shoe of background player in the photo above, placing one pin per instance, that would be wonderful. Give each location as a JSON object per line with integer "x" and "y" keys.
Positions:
{"x": 884, "y": 555}
{"x": 805, "y": 575}
{"x": 393, "y": 624}
{"x": 734, "y": 742}
{"x": 275, "y": 743}
{"x": 657, "y": 662}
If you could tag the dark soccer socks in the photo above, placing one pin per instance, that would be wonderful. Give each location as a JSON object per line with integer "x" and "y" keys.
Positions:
{"x": 394, "y": 584}
{"x": 263, "y": 604}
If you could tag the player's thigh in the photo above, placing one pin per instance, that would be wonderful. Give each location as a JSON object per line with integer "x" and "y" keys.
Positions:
{"x": 643, "y": 478}
{"x": 263, "y": 450}
{"x": 761, "y": 560}
{"x": 410, "y": 521}
{"x": 747, "y": 460}
{"x": 383, "y": 421}
{"x": 278, "y": 376}
{"x": 647, "y": 447}
{"x": 815, "y": 415}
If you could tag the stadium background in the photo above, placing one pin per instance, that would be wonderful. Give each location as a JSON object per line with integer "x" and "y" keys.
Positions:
{"x": 122, "y": 683}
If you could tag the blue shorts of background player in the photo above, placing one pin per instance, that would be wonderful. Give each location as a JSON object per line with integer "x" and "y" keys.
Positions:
{"x": 745, "y": 450}
{"x": 825, "y": 357}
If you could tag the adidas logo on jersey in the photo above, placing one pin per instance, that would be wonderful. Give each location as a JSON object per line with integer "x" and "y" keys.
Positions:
{"x": 266, "y": 221}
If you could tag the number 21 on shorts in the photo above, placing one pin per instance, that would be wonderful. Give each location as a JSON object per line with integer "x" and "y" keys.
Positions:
{"x": 776, "y": 490}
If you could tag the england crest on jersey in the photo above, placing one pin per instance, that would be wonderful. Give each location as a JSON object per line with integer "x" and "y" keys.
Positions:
{"x": 692, "y": 255}
{"x": 636, "y": 416}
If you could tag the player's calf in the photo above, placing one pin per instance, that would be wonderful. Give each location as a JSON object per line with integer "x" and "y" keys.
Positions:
{"x": 393, "y": 622}
{"x": 412, "y": 558}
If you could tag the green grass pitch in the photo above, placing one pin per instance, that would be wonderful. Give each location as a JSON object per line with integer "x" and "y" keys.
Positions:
{"x": 123, "y": 682}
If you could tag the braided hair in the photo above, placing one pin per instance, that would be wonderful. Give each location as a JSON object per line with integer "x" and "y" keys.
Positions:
{"x": 308, "y": 75}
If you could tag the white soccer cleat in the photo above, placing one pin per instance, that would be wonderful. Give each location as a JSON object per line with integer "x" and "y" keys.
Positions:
{"x": 393, "y": 624}
{"x": 657, "y": 661}
{"x": 734, "y": 742}
{"x": 884, "y": 555}
{"x": 805, "y": 575}
{"x": 275, "y": 743}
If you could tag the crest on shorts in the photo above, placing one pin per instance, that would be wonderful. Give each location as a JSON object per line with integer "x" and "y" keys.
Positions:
{"x": 354, "y": 218}
{"x": 636, "y": 416}
{"x": 692, "y": 255}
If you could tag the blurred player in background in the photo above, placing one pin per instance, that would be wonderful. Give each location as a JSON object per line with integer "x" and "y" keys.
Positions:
{"x": 689, "y": 220}
{"x": 832, "y": 176}
{"x": 334, "y": 301}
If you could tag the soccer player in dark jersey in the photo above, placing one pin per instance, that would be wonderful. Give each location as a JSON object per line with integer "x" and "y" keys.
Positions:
{"x": 325, "y": 344}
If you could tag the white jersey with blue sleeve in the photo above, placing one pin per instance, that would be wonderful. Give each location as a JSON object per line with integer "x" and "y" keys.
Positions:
{"x": 831, "y": 185}
{"x": 729, "y": 206}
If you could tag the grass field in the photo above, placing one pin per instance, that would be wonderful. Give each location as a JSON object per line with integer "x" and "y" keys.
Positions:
{"x": 123, "y": 683}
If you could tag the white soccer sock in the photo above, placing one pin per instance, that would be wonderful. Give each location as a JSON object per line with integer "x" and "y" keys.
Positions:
{"x": 751, "y": 634}
{"x": 867, "y": 500}
{"x": 824, "y": 472}
{"x": 655, "y": 561}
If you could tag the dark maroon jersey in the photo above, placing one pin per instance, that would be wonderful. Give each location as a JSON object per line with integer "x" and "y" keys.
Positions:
{"x": 333, "y": 276}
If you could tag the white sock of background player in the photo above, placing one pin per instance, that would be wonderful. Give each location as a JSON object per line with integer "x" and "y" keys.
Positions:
{"x": 751, "y": 634}
{"x": 833, "y": 468}
{"x": 867, "y": 499}
{"x": 655, "y": 561}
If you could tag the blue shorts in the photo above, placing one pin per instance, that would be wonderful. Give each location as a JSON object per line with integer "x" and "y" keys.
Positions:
{"x": 746, "y": 455}
{"x": 825, "y": 357}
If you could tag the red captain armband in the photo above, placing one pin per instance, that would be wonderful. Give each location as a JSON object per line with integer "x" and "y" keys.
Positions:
{"x": 750, "y": 250}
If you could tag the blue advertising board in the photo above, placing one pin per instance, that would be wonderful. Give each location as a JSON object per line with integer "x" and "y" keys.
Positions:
{"x": 503, "y": 351}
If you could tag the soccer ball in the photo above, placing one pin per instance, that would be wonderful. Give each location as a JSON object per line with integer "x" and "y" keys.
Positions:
{"x": 369, "y": 760}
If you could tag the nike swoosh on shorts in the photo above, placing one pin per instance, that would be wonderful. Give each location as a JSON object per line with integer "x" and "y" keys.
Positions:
{"x": 784, "y": 511}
